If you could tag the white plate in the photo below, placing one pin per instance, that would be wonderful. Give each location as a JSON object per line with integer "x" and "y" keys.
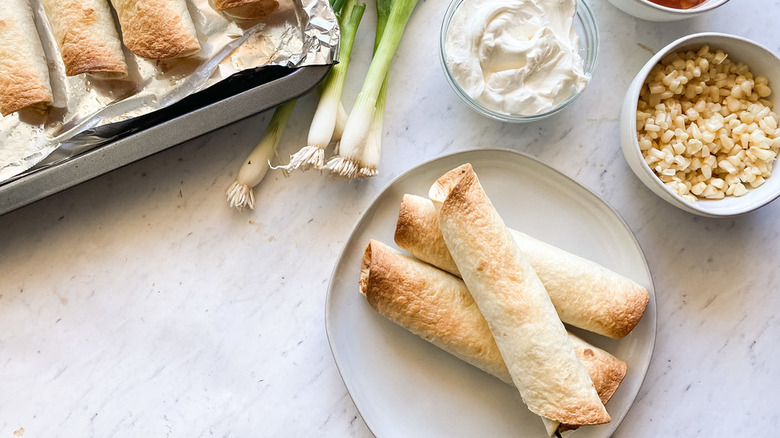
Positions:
{"x": 406, "y": 387}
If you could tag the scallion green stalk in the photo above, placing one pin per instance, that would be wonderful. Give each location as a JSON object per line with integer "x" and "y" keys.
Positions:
{"x": 240, "y": 194}
{"x": 357, "y": 156}
{"x": 324, "y": 123}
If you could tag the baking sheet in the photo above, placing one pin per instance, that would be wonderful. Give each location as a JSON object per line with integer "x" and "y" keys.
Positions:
{"x": 193, "y": 116}
{"x": 89, "y": 112}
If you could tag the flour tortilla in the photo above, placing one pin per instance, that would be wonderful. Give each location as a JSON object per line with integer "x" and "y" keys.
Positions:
{"x": 531, "y": 338}
{"x": 437, "y": 306}
{"x": 24, "y": 74}
{"x": 246, "y": 9}
{"x": 86, "y": 36}
{"x": 157, "y": 29}
{"x": 584, "y": 293}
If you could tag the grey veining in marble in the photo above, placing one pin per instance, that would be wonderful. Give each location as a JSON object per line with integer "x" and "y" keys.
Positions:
{"x": 139, "y": 304}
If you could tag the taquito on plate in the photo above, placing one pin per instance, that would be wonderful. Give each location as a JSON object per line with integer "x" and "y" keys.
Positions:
{"x": 24, "y": 74}
{"x": 87, "y": 38}
{"x": 437, "y": 306}
{"x": 584, "y": 293}
{"x": 531, "y": 338}
{"x": 157, "y": 29}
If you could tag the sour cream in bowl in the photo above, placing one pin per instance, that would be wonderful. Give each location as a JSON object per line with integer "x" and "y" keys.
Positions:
{"x": 518, "y": 60}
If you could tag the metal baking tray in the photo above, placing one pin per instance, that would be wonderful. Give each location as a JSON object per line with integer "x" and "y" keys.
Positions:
{"x": 238, "y": 97}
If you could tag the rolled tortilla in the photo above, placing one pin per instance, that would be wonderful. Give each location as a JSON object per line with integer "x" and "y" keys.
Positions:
{"x": 584, "y": 293}
{"x": 437, "y": 306}
{"x": 86, "y": 36}
{"x": 531, "y": 338}
{"x": 157, "y": 29}
{"x": 24, "y": 74}
{"x": 242, "y": 8}
{"x": 246, "y": 9}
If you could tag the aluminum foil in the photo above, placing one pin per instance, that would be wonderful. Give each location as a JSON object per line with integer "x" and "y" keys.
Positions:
{"x": 297, "y": 34}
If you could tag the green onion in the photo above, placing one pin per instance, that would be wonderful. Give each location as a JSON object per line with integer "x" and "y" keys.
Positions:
{"x": 359, "y": 149}
{"x": 341, "y": 121}
{"x": 374, "y": 140}
{"x": 240, "y": 193}
{"x": 373, "y": 147}
{"x": 324, "y": 123}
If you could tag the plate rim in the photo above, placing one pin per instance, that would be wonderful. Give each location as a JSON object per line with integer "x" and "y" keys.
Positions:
{"x": 521, "y": 155}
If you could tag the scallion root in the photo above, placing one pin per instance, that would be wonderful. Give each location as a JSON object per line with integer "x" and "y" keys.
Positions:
{"x": 344, "y": 167}
{"x": 240, "y": 196}
{"x": 309, "y": 157}
{"x": 368, "y": 172}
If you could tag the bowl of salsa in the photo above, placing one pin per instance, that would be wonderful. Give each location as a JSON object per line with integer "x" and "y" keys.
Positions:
{"x": 666, "y": 10}
{"x": 678, "y": 4}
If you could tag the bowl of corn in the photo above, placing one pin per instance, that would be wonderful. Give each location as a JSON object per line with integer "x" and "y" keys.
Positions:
{"x": 698, "y": 124}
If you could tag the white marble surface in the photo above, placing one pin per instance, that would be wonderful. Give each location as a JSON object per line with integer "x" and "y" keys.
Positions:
{"x": 139, "y": 304}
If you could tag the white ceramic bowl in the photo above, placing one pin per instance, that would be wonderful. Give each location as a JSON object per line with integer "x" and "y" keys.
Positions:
{"x": 647, "y": 10}
{"x": 762, "y": 62}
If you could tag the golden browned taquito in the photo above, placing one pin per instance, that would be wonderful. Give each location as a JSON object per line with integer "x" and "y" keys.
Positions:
{"x": 248, "y": 9}
{"x": 437, "y": 306}
{"x": 585, "y": 294}
{"x": 24, "y": 74}
{"x": 86, "y": 36}
{"x": 157, "y": 29}
{"x": 532, "y": 340}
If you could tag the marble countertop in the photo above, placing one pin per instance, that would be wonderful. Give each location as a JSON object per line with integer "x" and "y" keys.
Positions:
{"x": 139, "y": 304}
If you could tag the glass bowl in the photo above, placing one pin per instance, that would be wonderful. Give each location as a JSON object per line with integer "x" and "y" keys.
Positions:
{"x": 584, "y": 25}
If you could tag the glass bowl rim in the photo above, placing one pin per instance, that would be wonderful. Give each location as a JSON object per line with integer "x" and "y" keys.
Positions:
{"x": 589, "y": 37}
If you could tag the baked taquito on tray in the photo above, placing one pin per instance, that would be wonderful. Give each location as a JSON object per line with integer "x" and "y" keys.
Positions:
{"x": 246, "y": 8}
{"x": 584, "y": 293}
{"x": 24, "y": 74}
{"x": 530, "y": 337}
{"x": 86, "y": 36}
{"x": 157, "y": 29}
{"x": 438, "y": 307}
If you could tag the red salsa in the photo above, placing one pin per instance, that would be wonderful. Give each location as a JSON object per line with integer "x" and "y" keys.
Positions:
{"x": 678, "y": 4}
